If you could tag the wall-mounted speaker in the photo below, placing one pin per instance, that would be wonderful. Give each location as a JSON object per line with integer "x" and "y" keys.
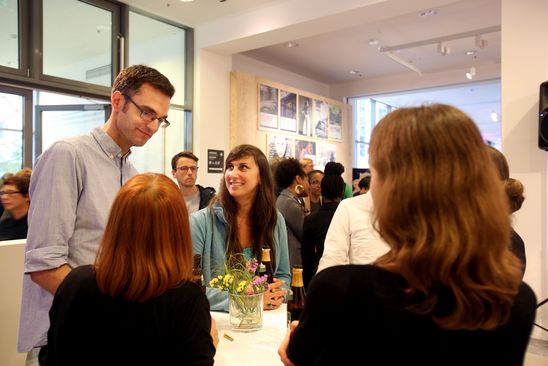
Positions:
{"x": 543, "y": 117}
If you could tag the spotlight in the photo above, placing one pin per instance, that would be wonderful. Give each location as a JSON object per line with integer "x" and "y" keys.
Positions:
{"x": 470, "y": 74}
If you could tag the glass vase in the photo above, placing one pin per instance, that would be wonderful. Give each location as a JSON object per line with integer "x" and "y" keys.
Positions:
{"x": 246, "y": 312}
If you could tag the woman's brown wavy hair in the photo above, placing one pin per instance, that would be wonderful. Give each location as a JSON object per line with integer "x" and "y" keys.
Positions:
{"x": 440, "y": 206}
{"x": 146, "y": 248}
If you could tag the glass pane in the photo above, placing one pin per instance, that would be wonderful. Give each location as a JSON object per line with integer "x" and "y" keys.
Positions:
{"x": 11, "y": 153}
{"x": 9, "y": 33}
{"x": 11, "y": 111}
{"x": 11, "y": 133}
{"x": 65, "y": 55}
{"x": 159, "y": 45}
{"x": 59, "y": 124}
{"x": 156, "y": 155}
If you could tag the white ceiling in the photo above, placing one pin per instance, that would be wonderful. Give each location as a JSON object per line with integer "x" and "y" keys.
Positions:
{"x": 328, "y": 57}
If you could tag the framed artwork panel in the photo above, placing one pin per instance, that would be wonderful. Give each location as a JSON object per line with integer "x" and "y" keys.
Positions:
{"x": 280, "y": 146}
{"x": 305, "y": 149}
{"x": 321, "y": 118}
{"x": 268, "y": 107}
{"x": 304, "y": 115}
{"x": 288, "y": 111}
{"x": 335, "y": 122}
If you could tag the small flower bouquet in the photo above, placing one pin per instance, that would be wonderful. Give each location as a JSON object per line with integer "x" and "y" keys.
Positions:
{"x": 245, "y": 292}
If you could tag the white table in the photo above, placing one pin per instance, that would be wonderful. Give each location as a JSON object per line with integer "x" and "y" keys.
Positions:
{"x": 251, "y": 348}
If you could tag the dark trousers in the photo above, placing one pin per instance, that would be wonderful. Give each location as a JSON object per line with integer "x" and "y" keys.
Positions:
{"x": 42, "y": 355}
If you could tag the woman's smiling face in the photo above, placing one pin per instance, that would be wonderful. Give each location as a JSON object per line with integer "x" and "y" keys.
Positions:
{"x": 242, "y": 178}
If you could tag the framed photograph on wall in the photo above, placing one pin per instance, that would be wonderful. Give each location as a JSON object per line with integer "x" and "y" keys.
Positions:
{"x": 305, "y": 149}
{"x": 335, "y": 122}
{"x": 324, "y": 153}
{"x": 304, "y": 117}
{"x": 280, "y": 146}
{"x": 268, "y": 107}
{"x": 288, "y": 111}
{"x": 321, "y": 118}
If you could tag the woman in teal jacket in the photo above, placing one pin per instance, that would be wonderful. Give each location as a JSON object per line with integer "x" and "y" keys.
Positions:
{"x": 242, "y": 219}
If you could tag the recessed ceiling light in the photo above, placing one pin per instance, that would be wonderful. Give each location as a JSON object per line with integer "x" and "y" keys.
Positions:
{"x": 186, "y": 1}
{"x": 292, "y": 44}
{"x": 428, "y": 13}
{"x": 373, "y": 42}
{"x": 355, "y": 72}
{"x": 471, "y": 73}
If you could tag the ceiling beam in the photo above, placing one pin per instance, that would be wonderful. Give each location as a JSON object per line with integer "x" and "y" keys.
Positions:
{"x": 450, "y": 37}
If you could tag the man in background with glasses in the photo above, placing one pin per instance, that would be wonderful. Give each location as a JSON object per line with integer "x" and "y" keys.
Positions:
{"x": 184, "y": 167}
{"x": 73, "y": 185}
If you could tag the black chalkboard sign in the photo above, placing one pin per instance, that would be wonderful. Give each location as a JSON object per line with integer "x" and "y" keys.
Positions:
{"x": 215, "y": 161}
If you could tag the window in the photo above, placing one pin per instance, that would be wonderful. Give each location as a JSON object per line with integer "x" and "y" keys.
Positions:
{"x": 64, "y": 55}
{"x": 67, "y": 69}
{"x": 162, "y": 46}
{"x": 367, "y": 113}
{"x": 9, "y": 33}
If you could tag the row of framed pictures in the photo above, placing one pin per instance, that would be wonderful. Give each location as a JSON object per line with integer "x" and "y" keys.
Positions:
{"x": 286, "y": 111}
{"x": 284, "y": 146}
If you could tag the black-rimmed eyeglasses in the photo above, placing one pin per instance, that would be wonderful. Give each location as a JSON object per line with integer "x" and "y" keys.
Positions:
{"x": 147, "y": 115}
{"x": 8, "y": 193}
{"x": 185, "y": 168}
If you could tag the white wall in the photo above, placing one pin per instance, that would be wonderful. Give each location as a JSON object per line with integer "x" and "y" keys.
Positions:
{"x": 211, "y": 112}
{"x": 261, "y": 69}
{"x": 524, "y": 66}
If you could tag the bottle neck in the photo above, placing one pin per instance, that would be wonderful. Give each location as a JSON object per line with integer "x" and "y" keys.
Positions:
{"x": 297, "y": 279}
{"x": 265, "y": 255}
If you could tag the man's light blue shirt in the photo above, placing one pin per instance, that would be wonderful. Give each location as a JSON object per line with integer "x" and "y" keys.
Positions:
{"x": 72, "y": 188}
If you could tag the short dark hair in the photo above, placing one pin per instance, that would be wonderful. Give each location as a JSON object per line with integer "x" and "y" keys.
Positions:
{"x": 133, "y": 77}
{"x": 286, "y": 171}
{"x": 332, "y": 187}
{"x": 182, "y": 154}
{"x": 19, "y": 181}
{"x": 333, "y": 167}
{"x": 364, "y": 182}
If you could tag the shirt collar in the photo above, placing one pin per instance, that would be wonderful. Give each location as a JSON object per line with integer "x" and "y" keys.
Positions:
{"x": 108, "y": 145}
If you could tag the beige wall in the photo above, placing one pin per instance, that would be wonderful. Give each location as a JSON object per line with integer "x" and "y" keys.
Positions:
{"x": 244, "y": 117}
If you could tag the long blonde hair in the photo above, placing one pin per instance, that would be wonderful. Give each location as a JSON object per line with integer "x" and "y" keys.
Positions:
{"x": 146, "y": 248}
{"x": 440, "y": 206}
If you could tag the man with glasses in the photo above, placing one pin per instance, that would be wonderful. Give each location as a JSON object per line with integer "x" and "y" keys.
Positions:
{"x": 184, "y": 167}
{"x": 73, "y": 185}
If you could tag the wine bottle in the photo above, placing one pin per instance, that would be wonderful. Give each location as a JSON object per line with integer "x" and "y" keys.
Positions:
{"x": 296, "y": 303}
{"x": 265, "y": 259}
{"x": 197, "y": 272}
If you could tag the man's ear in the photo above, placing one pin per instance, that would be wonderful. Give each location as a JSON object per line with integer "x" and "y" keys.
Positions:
{"x": 117, "y": 100}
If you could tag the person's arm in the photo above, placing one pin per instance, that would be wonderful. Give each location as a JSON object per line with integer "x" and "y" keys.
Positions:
{"x": 51, "y": 278}
{"x": 294, "y": 217}
{"x": 282, "y": 350}
{"x": 202, "y": 232}
{"x": 337, "y": 240}
{"x": 54, "y": 191}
